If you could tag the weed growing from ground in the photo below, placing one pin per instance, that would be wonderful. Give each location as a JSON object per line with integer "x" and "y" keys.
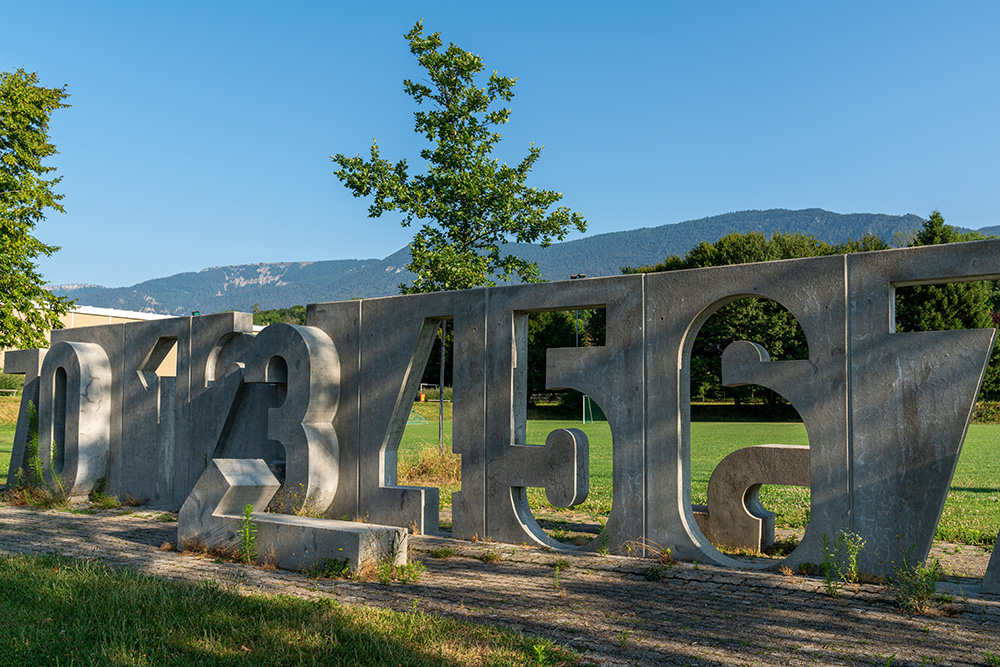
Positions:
{"x": 914, "y": 583}
{"x": 247, "y": 536}
{"x": 991, "y": 660}
{"x": 335, "y": 568}
{"x": 104, "y": 501}
{"x": 840, "y": 563}
{"x": 31, "y": 488}
{"x": 602, "y": 539}
{"x": 410, "y": 573}
{"x": 646, "y": 547}
{"x": 443, "y": 552}
{"x": 490, "y": 557}
{"x": 560, "y": 565}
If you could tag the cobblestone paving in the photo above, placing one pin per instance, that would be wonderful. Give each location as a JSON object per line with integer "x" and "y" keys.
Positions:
{"x": 603, "y": 607}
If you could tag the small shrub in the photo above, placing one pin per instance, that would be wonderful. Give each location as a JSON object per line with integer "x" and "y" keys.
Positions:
{"x": 840, "y": 563}
{"x": 914, "y": 583}
{"x": 986, "y": 412}
{"x": 104, "y": 501}
{"x": 443, "y": 552}
{"x": 11, "y": 381}
{"x": 334, "y": 568}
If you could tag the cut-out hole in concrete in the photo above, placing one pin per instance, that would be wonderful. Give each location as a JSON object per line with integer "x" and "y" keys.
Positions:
{"x": 547, "y": 410}
{"x": 727, "y": 419}
{"x": 425, "y": 456}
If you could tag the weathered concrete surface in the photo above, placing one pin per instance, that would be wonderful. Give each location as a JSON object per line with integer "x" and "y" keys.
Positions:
{"x": 111, "y": 339}
{"x": 912, "y": 398}
{"x": 74, "y": 422}
{"x": 677, "y": 304}
{"x": 397, "y": 337}
{"x": 219, "y": 415}
{"x": 29, "y": 364}
{"x": 305, "y": 361}
{"x": 342, "y": 323}
{"x": 885, "y": 412}
{"x": 735, "y": 516}
{"x": 612, "y": 375}
{"x": 214, "y": 513}
{"x": 991, "y": 580}
{"x": 149, "y": 450}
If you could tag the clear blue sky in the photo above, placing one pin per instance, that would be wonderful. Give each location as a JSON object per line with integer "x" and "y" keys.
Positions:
{"x": 200, "y": 133}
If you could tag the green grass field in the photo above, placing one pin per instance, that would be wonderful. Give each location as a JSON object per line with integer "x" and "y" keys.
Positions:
{"x": 971, "y": 513}
{"x": 6, "y": 443}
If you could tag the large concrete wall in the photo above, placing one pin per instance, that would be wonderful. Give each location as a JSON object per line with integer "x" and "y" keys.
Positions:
{"x": 327, "y": 403}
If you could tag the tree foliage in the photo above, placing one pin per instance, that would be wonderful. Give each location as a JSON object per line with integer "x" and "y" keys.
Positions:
{"x": 293, "y": 315}
{"x": 468, "y": 204}
{"x": 967, "y": 305}
{"x": 27, "y": 310}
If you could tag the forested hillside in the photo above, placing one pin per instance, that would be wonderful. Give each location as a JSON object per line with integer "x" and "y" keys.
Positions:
{"x": 284, "y": 284}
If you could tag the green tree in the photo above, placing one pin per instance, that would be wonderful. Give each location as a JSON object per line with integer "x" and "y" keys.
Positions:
{"x": 468, "y": 204}
{"x": 758, "y": 320}
{"x": 27, "y": 310}
{"x": 949, "y": 306}
{"x": 293, "y": 315}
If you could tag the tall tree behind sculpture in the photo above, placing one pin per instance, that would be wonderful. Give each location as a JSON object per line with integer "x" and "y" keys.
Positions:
{"x": 469, "y": 204}
{"x": 949, "y": 306}
{"x": 27, "y": 310}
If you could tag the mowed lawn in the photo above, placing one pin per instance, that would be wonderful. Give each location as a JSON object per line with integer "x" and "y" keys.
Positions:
{"x": 971, "y": 513}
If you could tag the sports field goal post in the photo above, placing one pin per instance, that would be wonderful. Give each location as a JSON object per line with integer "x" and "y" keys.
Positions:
{"x": 592, "y": 411}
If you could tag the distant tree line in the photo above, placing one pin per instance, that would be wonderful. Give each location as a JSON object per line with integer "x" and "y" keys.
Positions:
{"x": 293, "y": 315}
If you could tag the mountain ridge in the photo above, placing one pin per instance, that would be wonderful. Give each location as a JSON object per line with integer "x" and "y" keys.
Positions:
{"x": 283, "y": 284}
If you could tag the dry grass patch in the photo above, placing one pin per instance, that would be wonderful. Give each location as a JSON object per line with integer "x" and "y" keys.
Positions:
{"x": 9, "y": 406}
{"x": 431, "y": 468}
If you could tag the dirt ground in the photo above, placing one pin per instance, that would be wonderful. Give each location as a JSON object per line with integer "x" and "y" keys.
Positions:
{"x": 610, "y": 610}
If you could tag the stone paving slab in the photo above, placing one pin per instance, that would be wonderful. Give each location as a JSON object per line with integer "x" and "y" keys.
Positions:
{"x": 603, "y": 607}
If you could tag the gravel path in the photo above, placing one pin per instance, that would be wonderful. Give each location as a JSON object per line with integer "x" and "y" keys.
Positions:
{"x": 606, "y": 608}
